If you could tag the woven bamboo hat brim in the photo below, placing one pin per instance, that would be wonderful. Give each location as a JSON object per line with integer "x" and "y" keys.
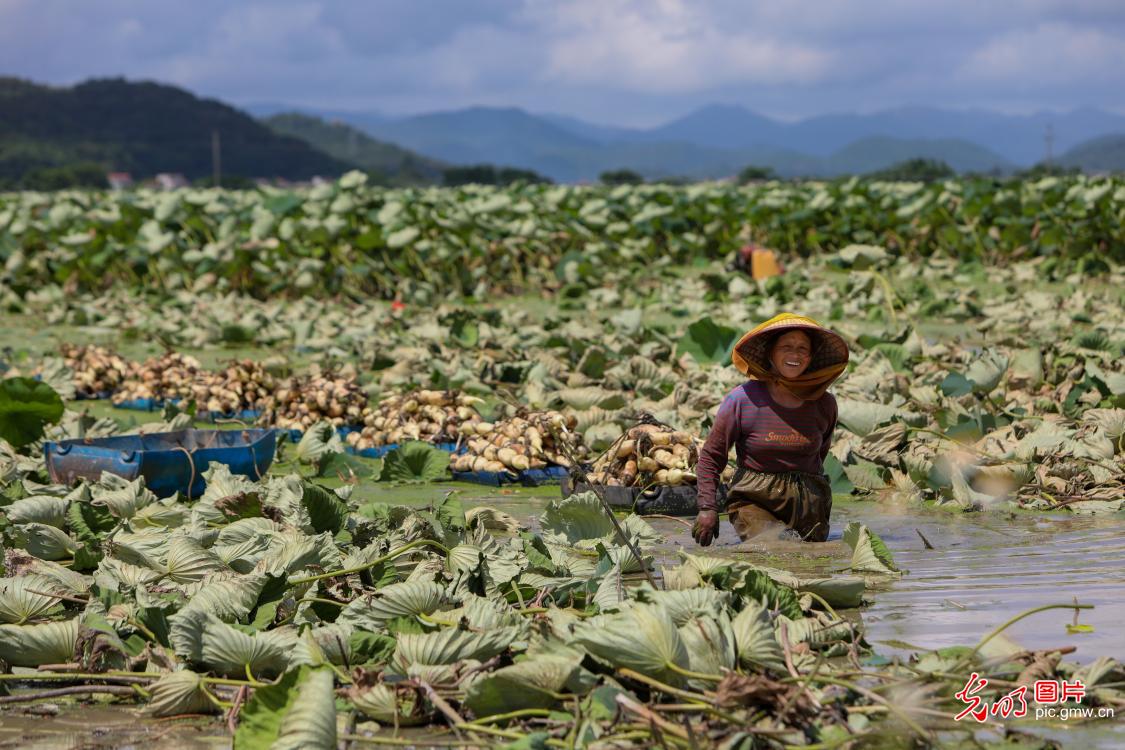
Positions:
{"x": 829, "y": 354}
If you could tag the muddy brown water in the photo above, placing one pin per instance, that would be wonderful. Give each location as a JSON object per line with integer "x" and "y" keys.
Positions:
{"x": 984, "y": 569}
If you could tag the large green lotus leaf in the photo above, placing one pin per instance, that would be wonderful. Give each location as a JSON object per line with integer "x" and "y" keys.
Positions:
{"x": 464, "y": 559}
{"x": 388, "y": 705}
{"x": 145, "y": 549}
{"x": 181, "y": 692}
{"x": 531, "y": 683}
{"x": 757, "y": 585}
{"x": 396, "y": 600}
{"x": 415, "y": 461}
{"x": 32, "y": 645}
{"x": 64, "y": 579}
{"x": 26, "y": 407}
{"x": 680, "y": 578}
{"x": 113, "y": 573}
{"x": 298, "y": 712}
{"x": 42, "y": 509}
{"x": 709, "y": 641}
{"x": 205, "y": 640}
{"x": 230, "y": 600}
{"x": 317, "y": 442}
{"x": 755, "y": 640}
{"x": 187, "y": 561}
{"x": 451, "y": 645}
{"x": 688, "y": 603}
{"x": 642, "y": 638}
{"x": 575, "y": 518}
{"x": 869, "y": 553}
{"x": 708, "y": 564}
{"x": 119, "y": 496}
{"x": 708, "y": 342}
{"x": 43, "y": 541}
{"x": 326, "y": 511}
{"x": 624, "y": 558}
{"x": 865, "y": 474}
{"x": 26, "y": 597}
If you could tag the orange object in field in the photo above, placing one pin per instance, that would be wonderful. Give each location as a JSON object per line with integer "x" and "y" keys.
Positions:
{"x": 764, "y": 263}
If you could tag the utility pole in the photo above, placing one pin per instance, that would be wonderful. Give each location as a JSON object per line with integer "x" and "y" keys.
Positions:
{"x": 216, "y": 151}
{"x": 1049, "y": 142}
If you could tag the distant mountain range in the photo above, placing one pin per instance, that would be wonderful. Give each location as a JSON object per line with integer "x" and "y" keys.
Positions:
{"x": 718, "y": 140}
{"x": 146, "y": 128}
{"x": 142, "y": 128}
{"x": 391, "y": 164}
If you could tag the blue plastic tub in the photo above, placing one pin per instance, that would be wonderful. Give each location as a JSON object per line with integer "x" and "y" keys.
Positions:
{"x": 163, "y": 458}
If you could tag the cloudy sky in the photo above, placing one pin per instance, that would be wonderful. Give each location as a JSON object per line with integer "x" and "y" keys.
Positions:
{"x": 628, "y": 62}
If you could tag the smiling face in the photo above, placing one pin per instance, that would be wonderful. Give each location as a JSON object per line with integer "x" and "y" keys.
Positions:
{"x": 791, "y": 353}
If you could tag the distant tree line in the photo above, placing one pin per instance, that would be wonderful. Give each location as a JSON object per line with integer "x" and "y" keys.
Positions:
{"x": 488, "y": 174}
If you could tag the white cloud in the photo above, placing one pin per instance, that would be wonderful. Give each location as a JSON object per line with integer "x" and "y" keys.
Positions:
{"x": 667, "y": 45}
{"x": 1047, "y": 54}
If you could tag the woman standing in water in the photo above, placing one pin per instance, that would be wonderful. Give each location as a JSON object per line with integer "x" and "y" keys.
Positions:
{"x": 780, "y": 423}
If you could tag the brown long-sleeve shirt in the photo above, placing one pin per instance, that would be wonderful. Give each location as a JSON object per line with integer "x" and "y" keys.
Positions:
{"x": 766, "y": 436}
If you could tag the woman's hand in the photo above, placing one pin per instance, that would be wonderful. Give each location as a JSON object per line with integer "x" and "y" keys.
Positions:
{"x": 706, "y": 527}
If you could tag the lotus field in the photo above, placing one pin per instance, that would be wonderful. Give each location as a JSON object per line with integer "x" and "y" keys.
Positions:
{"x": 408, "y": 573}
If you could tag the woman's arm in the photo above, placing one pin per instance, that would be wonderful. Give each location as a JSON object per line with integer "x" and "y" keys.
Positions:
{"x": 713, "y": 456}
{"x": 833, "y": 416}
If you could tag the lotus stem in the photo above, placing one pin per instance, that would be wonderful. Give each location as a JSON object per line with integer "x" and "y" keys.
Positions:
{"x": 693, "y": 675}
{"x": 1013, "y": 620}
{"x": 663, "y": 687}
{"x": 496, "y": 718}
{"x": 366, "y": 566}
{"x": 915, "y": 726}
{"x": 73, "y": 690}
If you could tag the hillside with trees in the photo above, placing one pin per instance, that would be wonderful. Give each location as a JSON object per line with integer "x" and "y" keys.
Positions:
{"x": 144, "y": 129}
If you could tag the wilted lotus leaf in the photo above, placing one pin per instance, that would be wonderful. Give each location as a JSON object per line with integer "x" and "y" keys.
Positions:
{"x": 680, "y": 577}
{"x": 388, "y": 705}
{"x": 865, "y": 474}
{"x": 531, "y": 683}
{"x": 464, "y": 559}
{"x": 112, "y": 573}
{"x": 294, "y": 551}
{"x": 180, "y": 692}
{"x": 708, "y": 564}
{"x": 32, "y": 645}
{"x": 572, "y": 519}
{"x": 987, "y": 370}
{"x": 230, "y": 600}
{"x": 323, "y": 645}
{"x": 755, "y": 640}
{"x": 1112, "y": 421}
{"x": 43, "y": 541}
{"x": 203, "y": 639}
{"x": 611, "y": 591}
{"x": 298, "y": 712}
{"x": 491, "y": 519}
{"x": 882, "y": 445}
{"x": 862, "y": 417}
{"x": 602, "y": 435}
{"x": 119, "y": 496}
{"x": 63, "y": 579}
{"x": 396, "y": 600}
{"x": 245, "y": 529}
{"x": 709, "y": 641}
{"x": 43, "y": 509}
{"x": 158, "y": 515}
{"x": 188, "y": 561}
{"x": 318, "y": 441}
{"x": 582, "y": 399}
{"x": 26, "y": 597}
{"x": 642, "y": 638}
{"x": 812, "y": 631}
{"x": 450, "y": 645}
{"x": 869, "y": 553}
{"x": 243, "y": 556}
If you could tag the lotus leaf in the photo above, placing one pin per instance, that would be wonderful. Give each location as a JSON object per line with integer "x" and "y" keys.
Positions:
{"x": 396, "y": 600}
{"x": 181, "y": 692}
{"x": 298, "y": 712}
{"x": 415, "y": 461}
{"x": 389, "y": 705}
{"x": 26, "y": 407}
{"x": 32, "y": 645}
{"x": 531, "y": 683}
{"x": 642, "y": 637}
{"x": 451, "y": 645}
{"x": 869, "y": 553}
{"x": 755, "y": 639}
{"x": 42, "y": 509}
{"x": 26, "y": 597}
{"x": 202, "y": 638}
